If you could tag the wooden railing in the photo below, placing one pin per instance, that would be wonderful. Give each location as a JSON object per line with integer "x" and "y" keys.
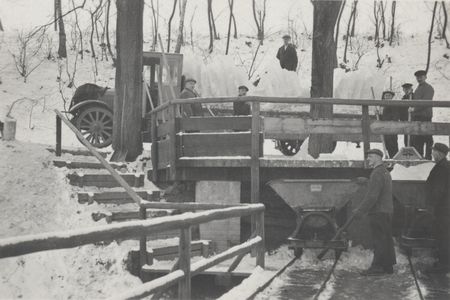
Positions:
{"x": 11, "y": 247}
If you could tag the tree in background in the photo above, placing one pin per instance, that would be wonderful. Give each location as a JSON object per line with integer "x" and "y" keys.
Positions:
{"x": 259, "y": 14}
{"x": 230, "y": 2}
{"x": 181, "y": 26}
{"x": 392, "y": 31}
{"x": 169, "y": 24}
{"x": 322, "y": 71}
{"x": 211, "y": 28}
{"x": 444, "y": 26}
{"x": 128, "y": 86}
{"x": 430, "y": 36}
{"x": 62, "y": 50}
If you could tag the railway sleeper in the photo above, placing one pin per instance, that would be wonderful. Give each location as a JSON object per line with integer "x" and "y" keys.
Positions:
{"x": 118, "y": 214}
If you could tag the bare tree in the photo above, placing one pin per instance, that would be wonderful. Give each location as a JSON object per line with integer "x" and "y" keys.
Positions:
{"x": 259, "y": 14}
{"x": 235, "y": 35}
{"x": 383, "y": 18}
{"x": 62, "y": 50}
{"x": 1, "y": 26}
{"x": 108, "y": 42}
{"x": 213, "y": 22}
{"x": 355, "y": 12}
{"x": 211, "y": 30}
{"x": 230, "y": 3}
{"x": 376, "y": 21}
{"x": 155, "y": 26}
{"x": 181, "y": 26}
{"x": 94, "y": 19}
{"x": 348, "y": 33}
{"x": 128, "y": 85}
{"x": 392, "y": 31}
{"x": 169, "y": 24}
{"x": 323, "y": 58}
{"x": 191, "y": 28}
{"x": 444, "y": 26}
{"x": 430, "y": 36}
{"x": 80, "y": 33}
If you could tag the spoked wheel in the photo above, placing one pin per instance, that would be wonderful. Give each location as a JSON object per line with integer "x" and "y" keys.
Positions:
{"x": 289, "y": 147}
{"x": 96, "y": 126}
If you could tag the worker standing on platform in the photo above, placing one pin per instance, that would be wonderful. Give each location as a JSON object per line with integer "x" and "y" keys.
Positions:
{"x": 241, "y": 108}
{"x": 438, "y": 200}
{"x": 404, "y": 113}
{"x": 391, "y": 113}
{"x": 194, "y": 109}
{"x": 378, "y": 204}
{"x": 424, "y": 91}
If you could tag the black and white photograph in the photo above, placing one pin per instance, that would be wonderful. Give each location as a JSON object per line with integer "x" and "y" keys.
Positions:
{"x": 224, "y": 149}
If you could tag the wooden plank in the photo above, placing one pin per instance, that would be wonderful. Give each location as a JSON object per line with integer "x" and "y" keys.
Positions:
{"x": 155, "y": 149}
{"x": 365, "y": 124}
{"x": 221, "y": 162}
{"x": 81, "y": 152}
{"x": 142, "y": 240}
{"x": 216, "y": 123}
{"x": 409, "y": 128}
{"x": 187, "y": 206}
{"x": 260, "y": 249}
{"x": 61, "y": 163}
{"x": 184, "y": 285}
{"x": 217, "y": 144}
{"x": 109, "y": 197}
{"x": 116, "y": 176}
{"x": 173, "y": 151}
{"x": 165, "y": 128}
{"x": 255, "y": 153}
{"x": 106, "y": 180}
{"x": 163, "y": 153}
{"x": 20, "y": 245}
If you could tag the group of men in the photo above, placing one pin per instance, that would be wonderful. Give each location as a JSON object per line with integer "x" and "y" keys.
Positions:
{"x": 423, "y": 91}
{"x": 378, "y": 206}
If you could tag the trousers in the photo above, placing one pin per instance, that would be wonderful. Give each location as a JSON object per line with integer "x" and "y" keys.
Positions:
{"x": 383, "y": 243}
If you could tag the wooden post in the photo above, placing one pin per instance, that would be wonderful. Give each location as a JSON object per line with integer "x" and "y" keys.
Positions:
{"x": 365, "y": 122}
{"x": 254, "y": 171}
{"x": 155, "y": 147}
{"x": 143, "y": 239}
{"x": 260, "y": 250}
{"x": 173, "y": 141}
{"x": 58, "y": 136}
{"x": 184, "y": 286}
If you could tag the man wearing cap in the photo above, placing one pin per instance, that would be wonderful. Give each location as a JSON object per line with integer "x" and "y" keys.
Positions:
{"x": 241, "y": 108}
{"x": 391, "y": 113}
{"x": 287, "y": 55}
{"x": 405, "y": 115}
{"x": 378, "y": 205}
{"x": 424, "y": 91}
{"x": 194, "y": 109}
{"x": 438, "y": 201}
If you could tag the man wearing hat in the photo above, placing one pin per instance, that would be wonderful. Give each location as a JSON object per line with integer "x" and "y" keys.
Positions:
{"x": 194, "y": 109}
{"x": 378, "y": 205}
{"x": 405, "y": 115}
{"x": 241, "y": 108}
{"x": 438, "y": 201}
{"x": 287, "y": 55}
{"x": 391, "y": 113}
{"x": 424, "y": 91}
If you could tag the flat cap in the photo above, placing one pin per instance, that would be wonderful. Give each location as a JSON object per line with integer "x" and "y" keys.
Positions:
{"x": 243, "y": 87}
{"x": 440, "y": 147}
{"x": 190, "y": 80}
{"x": 286, "y": 36}
{"x": 407, "y": 85}
{"x": 388, "y": 92}
{"x": 375, "y": 151}
{"x": 420, "y": 73}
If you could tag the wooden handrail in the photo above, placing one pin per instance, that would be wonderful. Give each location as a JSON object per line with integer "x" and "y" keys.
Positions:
{"x": 136, "y": 198}
{"x": 196, "y": 268}
{"x": 11, "y": 247}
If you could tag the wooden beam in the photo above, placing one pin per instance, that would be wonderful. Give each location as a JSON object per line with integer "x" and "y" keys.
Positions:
{"x": 365, "y": 130}
{"x": 165, "y": 128}
{"x": 187, "y": 206}
{"x": 173, "y": 150}
{"x": 260, "y": 249}
{"x": 58, "y": 136}
{"x": 255, "y": 153}
{"x": 110, "y": 169}
{"x": 216, "y": 123}
{"x": 11, "y": 247}
{"x": 409, "y": 128}
{"x": 184, "y": 286}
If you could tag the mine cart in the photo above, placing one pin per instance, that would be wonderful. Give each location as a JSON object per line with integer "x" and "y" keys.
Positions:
{"x": 92, "y": 106}
{"x": 321, "y": 208}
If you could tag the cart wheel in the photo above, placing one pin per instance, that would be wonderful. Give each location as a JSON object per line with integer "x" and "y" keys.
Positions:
{"x": 96, "y": 125}
{"x": 289, "y": 147}
{"x": 298, "y": 252}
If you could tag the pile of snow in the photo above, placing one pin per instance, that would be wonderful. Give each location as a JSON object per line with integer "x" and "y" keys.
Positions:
{"x": 418, "y": 172}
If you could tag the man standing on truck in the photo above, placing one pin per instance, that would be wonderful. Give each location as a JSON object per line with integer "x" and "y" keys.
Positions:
{"x": 241, "y": 108}
{"x": 378, "y": 205}
{"x": 438, "y": 201}
{"x": 287, "y": 55}
{"x": 194, "y": 109}
{"x": 424, "y": 91}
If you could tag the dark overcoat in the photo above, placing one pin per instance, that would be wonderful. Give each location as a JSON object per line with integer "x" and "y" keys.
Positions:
{"x": 288, "y": 57}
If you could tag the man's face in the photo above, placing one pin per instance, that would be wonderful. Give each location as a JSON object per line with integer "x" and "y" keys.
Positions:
{"x": 190, "y": 85}
{"x": 286, "y": 41}
{"x": 388, "y": 96}
{"x": 421, "y": 78}
{"x": 437, "y": 155}
{"x": 407, "y": 90}
{"x": 242, "y": 92}
{"x": 373, "y": 159}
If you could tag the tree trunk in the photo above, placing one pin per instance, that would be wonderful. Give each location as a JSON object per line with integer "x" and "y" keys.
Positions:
{"x": 213, "y": 23}
{"x": 323, "y": 55}
{"x": 235, "y": 35}
{"x": 128, "y": 87}
{"x": 347, "y": 35}
{"x": 352, "y": 33}
{"x": 259, "y": 18}
{"x": 211, "y": 33}
{"x": 377, "y": 22}
{"x": 62, "y": 50}
{"x": 169, "y": 25}
{"x": 383, "y": 20}
{"x": 444, "y": 27}
{"x": 391, "y": 36}
{"x": 180, "y": 27}
{"x": 230, "y": 3}
{"x": 1, "y": 26}
{"x": 430, "y": 36}
{"x": 336, "y": 37}
{"x": 108, "y": 42}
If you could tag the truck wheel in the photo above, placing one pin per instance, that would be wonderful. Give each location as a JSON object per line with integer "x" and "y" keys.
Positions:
{"x": 96, "y": 125}
{"x": 289, "y": 147}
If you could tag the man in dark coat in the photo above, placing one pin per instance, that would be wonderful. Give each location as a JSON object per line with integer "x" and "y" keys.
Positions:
{"x": 424, "y": 91}
{"x": 241, "y": 108}
{"x": 404, "y": 114}
{"x": 378, "y": 204}
{"x": 438, "y": 201}
{"x": 194, "y": 109}
{"x": 287, "y": 55}
{"x": 391, "y": 113}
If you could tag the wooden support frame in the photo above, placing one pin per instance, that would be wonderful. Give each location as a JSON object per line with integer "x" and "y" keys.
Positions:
{"x": 365, "y": 124}
{"x": 58, "y": 136}
{"x": 143, "y": 239}
{"x": 184, "y": 286}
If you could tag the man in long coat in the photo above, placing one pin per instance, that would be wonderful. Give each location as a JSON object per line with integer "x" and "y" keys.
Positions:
{"x": 287, "y": 55}
{"x": 438, "y": 201}
{"x": 378, "y": 205}
{"x": 194, "y": 109}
